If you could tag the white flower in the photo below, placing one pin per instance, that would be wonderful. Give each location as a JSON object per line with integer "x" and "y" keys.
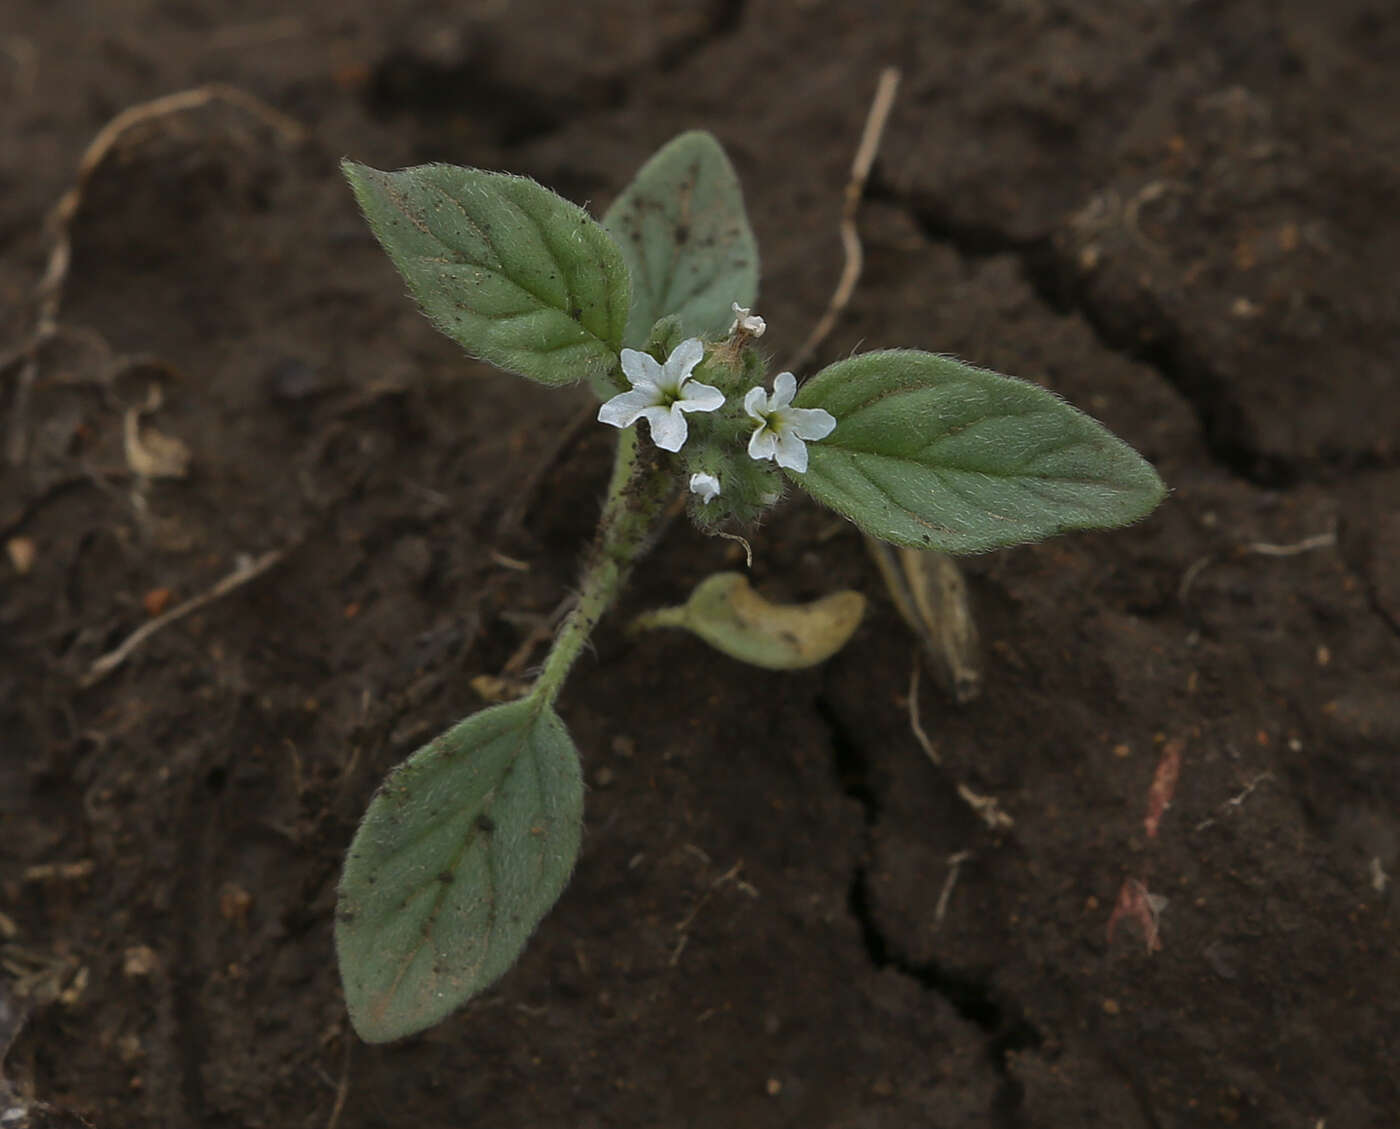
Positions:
{"x": 660, "y": 393}
{"x": 706, "y": 485}
{"x": 781, "y": 428}
{"x": 746, "y": 321}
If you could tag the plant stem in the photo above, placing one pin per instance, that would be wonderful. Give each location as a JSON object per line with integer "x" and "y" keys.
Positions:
{"x": 636, "y": 498}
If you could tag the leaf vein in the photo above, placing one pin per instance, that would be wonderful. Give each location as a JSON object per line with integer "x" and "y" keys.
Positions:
{"x": 471, "y": 222}
{"x": 499, "y": 268}
{"x": 897, "y": 504}
{"x": 570, "y": 302}
{"x": 430, "y": 918}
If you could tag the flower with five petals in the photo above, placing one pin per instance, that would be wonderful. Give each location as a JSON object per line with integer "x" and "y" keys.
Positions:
{"x": 781, "y": 427}
{"x": 662, "y": 393}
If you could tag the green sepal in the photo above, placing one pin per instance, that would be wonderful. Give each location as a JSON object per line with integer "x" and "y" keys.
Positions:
{"x": 686, "y": 239}
{"x": 748, "y": 487}
{"x": 464, "y": 848}
{"x": 513, "y": 273}
{"x": 664, "y": 337}
{"x": 931, "y": 452}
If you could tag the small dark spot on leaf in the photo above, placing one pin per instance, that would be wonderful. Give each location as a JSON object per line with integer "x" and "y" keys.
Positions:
{"x": 682, "y": 233}
{"x": 445, "y": 877}
{"x": 485, "y": 823}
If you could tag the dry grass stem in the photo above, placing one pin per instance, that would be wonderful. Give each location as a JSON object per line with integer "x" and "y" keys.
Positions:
{"x": 986, "y": 808}
{"x": 240, "y": 576}
{"x": 49, "y": 292}
{"x": 875, "y": 121}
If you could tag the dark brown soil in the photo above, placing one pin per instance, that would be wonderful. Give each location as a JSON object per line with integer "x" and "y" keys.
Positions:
{"x": 1181, "y": 215}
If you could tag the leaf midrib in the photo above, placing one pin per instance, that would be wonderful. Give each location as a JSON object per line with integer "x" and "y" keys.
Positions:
{"x": 833, "y": 449}
{"x": 440, "y": 895}
{"x": 498, "y": 269}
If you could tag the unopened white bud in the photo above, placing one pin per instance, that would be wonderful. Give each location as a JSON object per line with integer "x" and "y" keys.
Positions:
{"x": 706, "y": 485}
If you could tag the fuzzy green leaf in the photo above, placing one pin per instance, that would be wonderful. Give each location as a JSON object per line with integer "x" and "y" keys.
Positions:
{"x": 934, "y": 453}
{"x": 513, "y": 273}
{"x": 686, "y": 239}
{"x": 463, "y": 850}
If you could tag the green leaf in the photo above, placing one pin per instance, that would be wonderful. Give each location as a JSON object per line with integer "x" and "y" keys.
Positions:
{"x": 686, "y": 239}
{"x": 934, "y": 453}
{"x": 463, "y": 850}
{"x": 513, "y": 273}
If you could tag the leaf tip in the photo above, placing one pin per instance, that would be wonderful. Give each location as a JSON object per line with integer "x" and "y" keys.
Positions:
{"x": 354, "y": 171}
{"x": 364, "y": 181}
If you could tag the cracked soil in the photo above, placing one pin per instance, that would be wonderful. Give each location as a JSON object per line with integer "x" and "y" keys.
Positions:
{"x": 1179, "y": 215}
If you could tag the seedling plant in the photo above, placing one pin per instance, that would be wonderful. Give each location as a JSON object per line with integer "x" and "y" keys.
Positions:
{"x": 469, "y": 842}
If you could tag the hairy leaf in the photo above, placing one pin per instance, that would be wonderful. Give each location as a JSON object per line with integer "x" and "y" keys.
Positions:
{"x": 686, "y": 239}
{"x": 934, "y": 453}
{"x": 513, "y": 273}
{"x": 463, "y": 849}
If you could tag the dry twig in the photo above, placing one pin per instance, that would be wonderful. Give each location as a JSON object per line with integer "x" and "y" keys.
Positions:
{"x": 929, "y": 748}
{"x": 240, "y": 576}
{"x": 1306, "y": 545}
{"x": 683, "y": 926}
{"x": 955, "y": 862}
{"x": 49, "y": 292}
{"x": 1234, "y": 802}
{"x": 1254, "y": 548}
{"x": 342, "y": 1088}
{"x": 850, "y": 237}
{"x": 987, "y": 808}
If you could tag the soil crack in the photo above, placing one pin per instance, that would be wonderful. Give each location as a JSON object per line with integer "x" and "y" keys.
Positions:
{"x": 1152, "y": 338}
{"x": 973, "y": 997}
{"x": 191, "y": 1030}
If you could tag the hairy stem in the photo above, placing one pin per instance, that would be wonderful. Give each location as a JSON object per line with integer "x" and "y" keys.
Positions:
{"x": 636, "y": 500}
